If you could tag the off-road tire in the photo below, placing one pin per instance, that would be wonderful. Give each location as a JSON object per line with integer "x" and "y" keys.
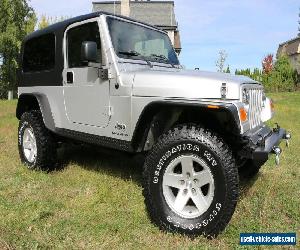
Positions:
{"x": 46, "y": 145}
{"x": 183, "y": 141}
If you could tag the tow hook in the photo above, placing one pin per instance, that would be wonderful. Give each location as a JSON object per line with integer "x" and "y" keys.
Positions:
{"x": 277, "y": 151}
{"x": 287, "y": 137}
{"x": 277, "y": 128}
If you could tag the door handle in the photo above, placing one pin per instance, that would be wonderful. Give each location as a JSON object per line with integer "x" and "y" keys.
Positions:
{"x": 70, "y": 77}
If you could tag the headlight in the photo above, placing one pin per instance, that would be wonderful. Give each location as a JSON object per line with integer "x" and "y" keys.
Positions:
{"x": 245, "y": 96}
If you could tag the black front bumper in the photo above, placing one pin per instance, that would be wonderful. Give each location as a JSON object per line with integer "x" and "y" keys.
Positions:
{"x": 261, "y": 142}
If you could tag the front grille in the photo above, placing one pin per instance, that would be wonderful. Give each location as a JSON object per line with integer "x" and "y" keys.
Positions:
{"x": 255, "y": 106}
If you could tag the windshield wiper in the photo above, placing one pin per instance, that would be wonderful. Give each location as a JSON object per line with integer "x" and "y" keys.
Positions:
{"x": 164, "y": 58}
{"x": 135, "y": 53}
{"x": 160, "y": 57}
{"x": 129, "y": 53}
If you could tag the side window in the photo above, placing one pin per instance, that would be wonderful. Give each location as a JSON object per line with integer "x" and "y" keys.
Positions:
{"x": 39, "y": 53}
{"x": 75, "y": 37}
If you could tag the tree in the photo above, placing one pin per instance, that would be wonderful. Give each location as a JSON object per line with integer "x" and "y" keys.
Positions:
{"x": 221, "y": 60}
{"x": 267, "y": 64}
{"x": 227, "y": 70}
{"x": 17, "y": 19}
{"x": 46, "y": 21}
{"x": 256, "y": 74}
{"x": 283, "y": 77}
{"x": 299, "y": 24}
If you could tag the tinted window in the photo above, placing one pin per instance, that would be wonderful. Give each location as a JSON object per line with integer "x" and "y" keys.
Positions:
{"x": 39, "y": 53}
{"x": 75, "y": 37}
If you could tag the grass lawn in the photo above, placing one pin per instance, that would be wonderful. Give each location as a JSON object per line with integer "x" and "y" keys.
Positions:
{"x": 96, "y": 200}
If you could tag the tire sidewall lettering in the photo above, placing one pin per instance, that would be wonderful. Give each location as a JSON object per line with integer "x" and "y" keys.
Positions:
{"x": 208, "y": 218}
{"x": 197, "y": 225}
{"x": 183, "y": 148}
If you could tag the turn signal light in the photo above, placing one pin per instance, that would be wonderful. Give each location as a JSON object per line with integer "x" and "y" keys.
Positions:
{"x": 213, "y": 106}
{"x": 243, "y": 115}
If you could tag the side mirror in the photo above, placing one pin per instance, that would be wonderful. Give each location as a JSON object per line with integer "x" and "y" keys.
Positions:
{"x": 89, "y": 51}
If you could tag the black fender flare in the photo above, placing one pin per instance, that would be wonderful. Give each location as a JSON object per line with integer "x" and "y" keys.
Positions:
{"x": 29, "y": 101}
{"x": 143, "y": 124}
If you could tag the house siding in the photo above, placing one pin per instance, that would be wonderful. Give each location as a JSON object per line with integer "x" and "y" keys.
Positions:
{"x": 291, "y": 48}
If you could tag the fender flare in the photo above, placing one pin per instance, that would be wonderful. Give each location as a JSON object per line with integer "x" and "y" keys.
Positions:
{"x": 142, "y": 126}
{"x": 26, "y": 100}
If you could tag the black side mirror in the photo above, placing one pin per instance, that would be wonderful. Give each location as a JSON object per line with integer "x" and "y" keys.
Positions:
{"x": 89, "y": 51}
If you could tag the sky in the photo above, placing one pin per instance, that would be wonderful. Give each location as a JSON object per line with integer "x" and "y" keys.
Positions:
{"x": 247, "y": 30}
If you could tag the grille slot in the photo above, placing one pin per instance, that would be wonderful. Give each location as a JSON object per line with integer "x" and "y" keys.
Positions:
{"x": 255, "y": 106}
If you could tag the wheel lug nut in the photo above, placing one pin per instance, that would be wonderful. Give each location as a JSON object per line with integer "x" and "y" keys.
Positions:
{"x": 188, "y": 175}
{"x": 182, "y": 182}
{"x": 195, "y": 181}
{"x": 185, "y": 191}
{"x": 193, "y": 190}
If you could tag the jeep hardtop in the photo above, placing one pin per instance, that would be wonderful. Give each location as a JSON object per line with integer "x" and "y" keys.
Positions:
{"x": 112, "y": 81}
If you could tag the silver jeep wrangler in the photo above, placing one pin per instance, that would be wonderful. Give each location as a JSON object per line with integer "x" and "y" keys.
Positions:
{"x": 112, "y": 81}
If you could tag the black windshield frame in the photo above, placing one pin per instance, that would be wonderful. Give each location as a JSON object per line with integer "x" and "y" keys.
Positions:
{"x": 165, "y": 55}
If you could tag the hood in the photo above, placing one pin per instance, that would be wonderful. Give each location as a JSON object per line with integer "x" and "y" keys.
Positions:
{"x": 181, "y": 83}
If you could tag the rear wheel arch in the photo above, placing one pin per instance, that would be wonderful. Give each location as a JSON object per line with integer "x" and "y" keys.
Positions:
{"x": 29, "y": 102}
{"x": 165, "y": 115}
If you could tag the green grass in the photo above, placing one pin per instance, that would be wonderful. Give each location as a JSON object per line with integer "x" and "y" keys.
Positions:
{"x": 96, "y": 200}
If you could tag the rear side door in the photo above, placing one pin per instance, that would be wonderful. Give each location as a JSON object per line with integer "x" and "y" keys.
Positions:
{"x": 86, "y": 95}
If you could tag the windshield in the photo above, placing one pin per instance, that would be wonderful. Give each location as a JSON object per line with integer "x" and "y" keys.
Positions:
{"x": 137, "y": 42}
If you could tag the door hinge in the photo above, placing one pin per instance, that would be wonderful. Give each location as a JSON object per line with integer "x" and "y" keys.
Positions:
{"x": 108, "y": 111}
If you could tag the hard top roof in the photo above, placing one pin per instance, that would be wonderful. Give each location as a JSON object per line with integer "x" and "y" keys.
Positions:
{"x": 61, "y": 26}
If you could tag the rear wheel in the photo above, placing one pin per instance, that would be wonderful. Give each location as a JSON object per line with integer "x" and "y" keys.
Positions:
{"x": 191, "y": 182}
{"x": 37, "y": 145}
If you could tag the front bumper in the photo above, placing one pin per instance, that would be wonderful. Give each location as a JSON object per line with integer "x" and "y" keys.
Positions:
{"x": 262, "y": 142}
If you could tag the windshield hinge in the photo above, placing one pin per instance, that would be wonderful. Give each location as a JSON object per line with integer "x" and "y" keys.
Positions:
{"x": 105, "y": 73}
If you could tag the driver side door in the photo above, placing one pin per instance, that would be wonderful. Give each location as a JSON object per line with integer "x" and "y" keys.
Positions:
{"x": 86, "y": 95}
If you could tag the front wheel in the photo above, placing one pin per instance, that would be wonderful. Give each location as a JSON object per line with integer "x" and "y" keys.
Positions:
{"x": 191, "y": 182}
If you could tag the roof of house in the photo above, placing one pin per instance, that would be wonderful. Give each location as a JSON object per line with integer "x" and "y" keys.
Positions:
{"x": 290, "y": 41}
{"x": 158, "y": 13}
{"x": 290, "y": 47}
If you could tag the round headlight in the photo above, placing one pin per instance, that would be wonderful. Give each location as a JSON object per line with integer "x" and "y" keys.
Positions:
{"x": 246, "y": 96}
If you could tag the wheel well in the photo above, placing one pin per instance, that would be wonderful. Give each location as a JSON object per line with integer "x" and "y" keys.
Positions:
{"x": 26, "y": 103}
{"x": 158, "y": 118}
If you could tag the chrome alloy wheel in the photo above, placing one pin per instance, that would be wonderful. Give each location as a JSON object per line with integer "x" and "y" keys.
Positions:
{"x": 188, "y": 186}
{"x": 29, "y": 145}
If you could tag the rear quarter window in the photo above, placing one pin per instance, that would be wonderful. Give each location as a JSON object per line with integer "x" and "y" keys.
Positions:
{"x": 39, "y": 53}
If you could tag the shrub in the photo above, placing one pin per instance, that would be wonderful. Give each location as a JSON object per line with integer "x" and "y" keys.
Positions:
{"x": 277, "y": 77}
{"x": 282, "y": 78}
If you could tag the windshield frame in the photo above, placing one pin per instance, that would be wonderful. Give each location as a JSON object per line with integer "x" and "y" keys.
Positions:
{"x": 141, "y": 60}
